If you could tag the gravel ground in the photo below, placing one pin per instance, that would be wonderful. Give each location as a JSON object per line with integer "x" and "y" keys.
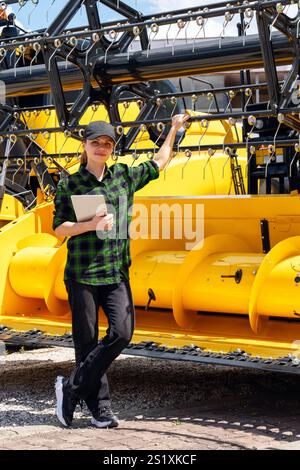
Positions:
{"x": 266, "y": 404}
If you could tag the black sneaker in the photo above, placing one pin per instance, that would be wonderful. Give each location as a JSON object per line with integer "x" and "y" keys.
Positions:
{"x": 66, "y": 402}
{"x": 104, "y": 418}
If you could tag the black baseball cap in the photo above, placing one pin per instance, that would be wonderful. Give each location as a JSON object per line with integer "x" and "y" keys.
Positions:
{"x": 97, "y": 129}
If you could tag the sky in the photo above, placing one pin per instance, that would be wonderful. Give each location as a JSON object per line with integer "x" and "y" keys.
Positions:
{"x": 46, "y": 10}
{"x": 33, "y": 17}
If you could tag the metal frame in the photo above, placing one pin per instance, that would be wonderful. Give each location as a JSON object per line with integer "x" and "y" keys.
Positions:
{"x": 38, "y": 339}
{"x": 106, "y": 83}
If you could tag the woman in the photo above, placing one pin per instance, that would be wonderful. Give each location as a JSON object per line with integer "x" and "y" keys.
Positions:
{"x": 97, "y": 268}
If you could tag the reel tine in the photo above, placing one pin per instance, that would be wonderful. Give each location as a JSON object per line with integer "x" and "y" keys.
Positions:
{"x": 200, "y": 21}
{"x": 113, "y": 36}
{"x": 252, "y": 151}
{"x": 187, "y": 27}
{"x": 297, "y": 150}
{"x": 181, "y": 25}
{"x": 120, "y": 131}
{"x": 249, "y": 14}
{"x": 13, "y": 140}
{"x": 22, "y": 4}
{"x": 73, "y": 41}
{"x": 3, "y": 54}
{"x": 95, "y": 108}
{"x": 210, "y": 96}
{"x": 154, "y": 28}
{"x": 46, "y": 135}
{"x": 126, "y": 107}
{"x": 36, "y": 113}
{"x": 67, "y": 135}
{"x": 231, "y": 122}
{"x": 174, "y": 102}
{"x": 136, "y": 32}
{"x": 230, "y": 95}
{"x": 204, "y": 125}
{"x": 81, "y": 135}
{"x": 210, "y": 152}
{"x": 272, "y": 154}
{"x": 37, "y": 48}
{"x": 20, "y": 162}
{"x": 194, "y": 101}
{"x": 227, "y": 18}
{"x": 57, "y": 44}
{"x": 159, "y": 103}
{"x": 272, "y": 148}
{"x": 167, "y": 32}
{"x": 48, "y": 114}
{"x": 143, "y": 129}
{"x": 279, "y": 9}
{"x": 22, "y": 50}
{"x": 32, "y": 138}
{"x": 205, "y": 10}
{"x": 248, "y": 93}
{"x": 160, "y": 126}
{"x": 47, "y": 12}
{"x": 188, "y": 154}
{"x": 251, "y": 122}
{"x": 95, "y": 38}
{"x": 35, "y": 4}
{"x": 85, "y": 39}
{"x": 12, "y": 55}
{"x": 227, "y": 151}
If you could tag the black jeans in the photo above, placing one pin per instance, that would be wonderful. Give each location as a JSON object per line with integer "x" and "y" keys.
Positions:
{"x": 88, "y": 380}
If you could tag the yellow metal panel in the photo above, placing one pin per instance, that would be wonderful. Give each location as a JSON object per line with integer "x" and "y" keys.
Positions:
{"x": 232, "y": 240}
{"x": 11, "y": 209}
{"x": 210, "y": 245}
{"x": 155, "y": 270}
{"x": 30, "y": 264}
{"x": 285, "y": 249}
{"x": 279, "y": 295}
{"x": 206, "y": 289}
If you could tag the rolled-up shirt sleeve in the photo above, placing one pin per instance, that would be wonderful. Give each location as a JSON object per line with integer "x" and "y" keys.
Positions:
{"x": 63, "y": 209}
{"x": 143, "y": 173}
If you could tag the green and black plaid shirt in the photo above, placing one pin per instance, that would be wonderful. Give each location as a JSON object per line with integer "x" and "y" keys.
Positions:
{"x": 104, "y": 260}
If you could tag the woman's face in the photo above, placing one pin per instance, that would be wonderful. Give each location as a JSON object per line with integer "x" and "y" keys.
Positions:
{"x": 100, "y": 149}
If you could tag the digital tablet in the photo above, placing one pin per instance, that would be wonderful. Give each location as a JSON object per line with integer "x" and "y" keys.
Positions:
{"x": 86, "y": 206}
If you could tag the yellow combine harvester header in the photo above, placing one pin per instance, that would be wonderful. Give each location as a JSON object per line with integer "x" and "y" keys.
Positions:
{"x": 215, "y": 244}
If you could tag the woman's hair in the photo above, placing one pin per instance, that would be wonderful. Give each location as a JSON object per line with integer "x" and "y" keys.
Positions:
{"x": 83, "y": 156}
